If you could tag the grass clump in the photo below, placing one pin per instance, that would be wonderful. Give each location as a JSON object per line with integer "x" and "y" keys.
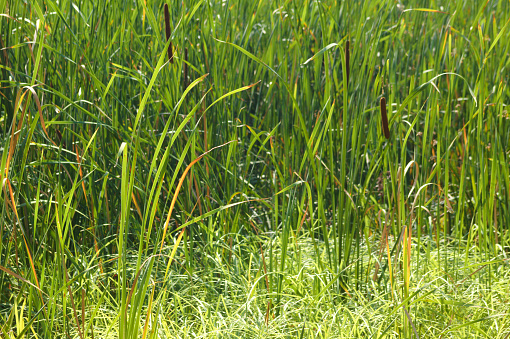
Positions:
{"x": 226, "y": 169}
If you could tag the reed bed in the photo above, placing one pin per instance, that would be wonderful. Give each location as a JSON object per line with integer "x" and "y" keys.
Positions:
{"x": 225, "y": 169}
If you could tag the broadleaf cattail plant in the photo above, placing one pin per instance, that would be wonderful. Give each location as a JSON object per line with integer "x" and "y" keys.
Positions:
{"x": 168, "y": 31}
{"x": 384, "y": 118}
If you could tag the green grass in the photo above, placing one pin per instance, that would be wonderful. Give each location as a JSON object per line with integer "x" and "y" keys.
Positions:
{"x": 246, "y": 188}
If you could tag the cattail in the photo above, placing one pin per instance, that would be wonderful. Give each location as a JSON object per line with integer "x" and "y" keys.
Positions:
{"x": 59, "y": 135}
{"x": 347, "y": 58}
{"x": 384, "y": 118}
{"x": 168, "y": 33}
{"x": 185, "y": 67}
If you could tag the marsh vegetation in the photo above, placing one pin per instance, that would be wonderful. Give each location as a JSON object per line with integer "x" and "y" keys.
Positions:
{"x": 254, "y": 169}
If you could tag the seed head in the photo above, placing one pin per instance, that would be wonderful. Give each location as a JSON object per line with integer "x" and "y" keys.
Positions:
{"x": 384, "y": 118}
{"x": 168, "y": 31}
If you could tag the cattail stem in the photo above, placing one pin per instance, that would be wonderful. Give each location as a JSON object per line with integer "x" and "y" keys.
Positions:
{"x": 185, "y": 75}
{"x": 384, "y": 118}
{"x": 347, "y": 60}
{"x": 168, "y": 31}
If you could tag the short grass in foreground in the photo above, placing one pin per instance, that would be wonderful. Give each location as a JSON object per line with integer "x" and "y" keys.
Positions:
{"x": 244, "y": 169}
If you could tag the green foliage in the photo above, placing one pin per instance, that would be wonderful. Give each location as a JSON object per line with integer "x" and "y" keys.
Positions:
{"x": 246, "y": 188}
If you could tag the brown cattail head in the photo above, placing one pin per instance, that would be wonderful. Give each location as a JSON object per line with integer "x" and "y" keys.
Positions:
{"x": 59, "y": 135}
{"x": 185, "y": 75}
{"x": 168, "y": 31}
{"x": 347, "y": 59}
{"x": 384, "y": 118}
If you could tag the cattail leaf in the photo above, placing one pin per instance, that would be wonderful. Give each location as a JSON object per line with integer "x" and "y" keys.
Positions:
{"x": 328, "y": 47}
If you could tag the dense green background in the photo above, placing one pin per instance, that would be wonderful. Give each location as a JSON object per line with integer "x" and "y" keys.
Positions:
{"x": 301, "y": 219}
